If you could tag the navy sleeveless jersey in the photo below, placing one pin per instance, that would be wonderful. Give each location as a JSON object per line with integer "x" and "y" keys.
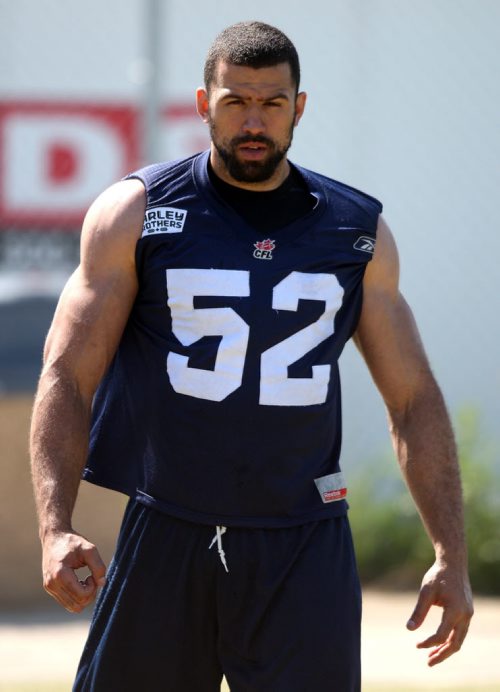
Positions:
{"x": 222, "y": 403}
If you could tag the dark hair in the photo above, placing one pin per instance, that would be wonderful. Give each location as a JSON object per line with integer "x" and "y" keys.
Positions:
{"x": 252, "y": 44}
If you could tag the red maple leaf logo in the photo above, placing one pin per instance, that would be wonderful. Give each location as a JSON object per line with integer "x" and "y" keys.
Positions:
{"x": 267, "y": 244}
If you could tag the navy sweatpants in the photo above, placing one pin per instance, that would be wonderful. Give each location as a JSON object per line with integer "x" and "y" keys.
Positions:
{"x": 285, "y": 618}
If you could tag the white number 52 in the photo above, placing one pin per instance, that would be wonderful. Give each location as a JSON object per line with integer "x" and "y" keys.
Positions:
{"x": 190, "y": 324}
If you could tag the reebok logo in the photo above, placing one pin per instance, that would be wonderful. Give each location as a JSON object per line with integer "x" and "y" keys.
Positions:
{"x": 365, "y": 244}
{"x": 163, "y": 220}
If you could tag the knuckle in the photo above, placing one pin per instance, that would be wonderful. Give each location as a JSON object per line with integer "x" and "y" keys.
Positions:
{"x": 87, "y": 548}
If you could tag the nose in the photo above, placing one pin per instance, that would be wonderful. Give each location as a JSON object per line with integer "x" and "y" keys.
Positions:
{"x": 254, "y": 122}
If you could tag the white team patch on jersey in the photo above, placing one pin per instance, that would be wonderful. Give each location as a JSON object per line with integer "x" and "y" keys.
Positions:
{"x": 332, "y": 488}
{"x": 163, "y": 220}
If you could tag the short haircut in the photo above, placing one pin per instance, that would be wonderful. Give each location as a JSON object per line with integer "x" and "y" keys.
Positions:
{"x": 251, "y": 44}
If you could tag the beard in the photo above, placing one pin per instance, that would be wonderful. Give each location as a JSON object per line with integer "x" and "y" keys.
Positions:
{"x": 250, "y": 171}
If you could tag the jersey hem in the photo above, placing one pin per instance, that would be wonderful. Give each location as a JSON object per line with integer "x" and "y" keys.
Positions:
{"x": 89, "y": 476}
{"x": 329, "y": 511}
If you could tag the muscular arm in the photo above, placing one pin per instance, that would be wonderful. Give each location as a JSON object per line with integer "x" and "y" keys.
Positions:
{"x": 388, "y": 339}
{"x": 88, "y": 323}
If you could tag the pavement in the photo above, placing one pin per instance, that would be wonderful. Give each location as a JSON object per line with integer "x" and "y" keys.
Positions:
{"x": 45, "y": 647}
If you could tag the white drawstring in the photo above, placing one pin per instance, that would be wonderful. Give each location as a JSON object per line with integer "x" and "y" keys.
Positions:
{"x": 219, "y": 530}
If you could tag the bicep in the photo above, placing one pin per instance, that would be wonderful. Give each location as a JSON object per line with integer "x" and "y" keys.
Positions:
{"x": 87, "y": 327}
{"x": 96, "y": 302}
{"x": 388, "y": 339}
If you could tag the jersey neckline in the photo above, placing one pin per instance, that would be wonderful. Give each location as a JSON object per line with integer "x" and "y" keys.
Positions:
{"x": 219, "y": 206}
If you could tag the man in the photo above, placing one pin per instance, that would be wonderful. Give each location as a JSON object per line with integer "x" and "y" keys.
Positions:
{"x": 213, "y": 299}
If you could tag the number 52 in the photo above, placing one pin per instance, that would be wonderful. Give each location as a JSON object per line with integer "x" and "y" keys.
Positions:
{"x": 189, "y": 324}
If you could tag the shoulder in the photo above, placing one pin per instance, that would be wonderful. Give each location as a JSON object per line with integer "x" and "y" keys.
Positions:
{"x": 341, "y": 192}
{"x": 123, "y": 201}
{"x": 113, "y": 223}
{"x": 382, "y": 273}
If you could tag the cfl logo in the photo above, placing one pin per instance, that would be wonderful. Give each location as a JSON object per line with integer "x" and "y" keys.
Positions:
{"x": 264, "y": 249}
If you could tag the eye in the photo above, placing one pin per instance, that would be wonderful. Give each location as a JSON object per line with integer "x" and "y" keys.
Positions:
{"x": 273, "y": 104}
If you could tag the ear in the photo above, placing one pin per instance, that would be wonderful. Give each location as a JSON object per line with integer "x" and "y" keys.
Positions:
{"x": 202, "y": 103}
{"x": 300, "y": 104}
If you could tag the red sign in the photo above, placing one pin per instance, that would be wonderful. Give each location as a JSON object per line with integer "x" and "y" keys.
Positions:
{"x": 55, "y": 158}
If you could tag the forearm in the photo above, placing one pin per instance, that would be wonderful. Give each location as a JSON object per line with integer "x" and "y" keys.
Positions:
{"x": 58, "y": 445}
{"x": 425, "y": 446}
{"x": 423, "y": 438}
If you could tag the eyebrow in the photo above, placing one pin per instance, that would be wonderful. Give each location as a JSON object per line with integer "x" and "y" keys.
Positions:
{"x": 275, "y": 97}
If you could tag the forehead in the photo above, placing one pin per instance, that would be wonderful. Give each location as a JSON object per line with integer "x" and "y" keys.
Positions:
{"x": 229, "y": 77}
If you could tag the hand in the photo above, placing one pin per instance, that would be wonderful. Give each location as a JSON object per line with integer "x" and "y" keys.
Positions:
{"x": 63, "y": 553}
{"x": 448, "y": 588}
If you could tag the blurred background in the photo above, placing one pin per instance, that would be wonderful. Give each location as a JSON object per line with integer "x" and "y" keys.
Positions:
{"x": 404, "y": 102}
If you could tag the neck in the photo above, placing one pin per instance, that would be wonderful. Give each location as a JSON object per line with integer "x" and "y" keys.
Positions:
{"x": 278, "y": 177}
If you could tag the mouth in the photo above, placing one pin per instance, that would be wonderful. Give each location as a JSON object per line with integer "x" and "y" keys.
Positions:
{"x": 253, "y": 150}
